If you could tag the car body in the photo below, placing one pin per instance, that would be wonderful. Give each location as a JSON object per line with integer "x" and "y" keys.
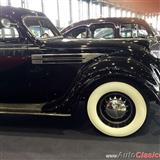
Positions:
{"x": 116, "y": 27}
{"x": 41, "y": 73}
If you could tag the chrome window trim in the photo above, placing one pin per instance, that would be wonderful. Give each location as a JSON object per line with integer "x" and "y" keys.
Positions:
{"x": 40, "y": 17}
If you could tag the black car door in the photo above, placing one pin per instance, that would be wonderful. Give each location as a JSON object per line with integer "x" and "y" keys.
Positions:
{"x": 13, "y": 65}
{"x": 51, "y": 72}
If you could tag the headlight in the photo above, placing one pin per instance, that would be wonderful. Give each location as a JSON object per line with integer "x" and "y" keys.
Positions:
{"x": 155, "y": 53}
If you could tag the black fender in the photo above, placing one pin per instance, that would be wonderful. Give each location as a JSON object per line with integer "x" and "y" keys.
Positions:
{"x": 129, "y": 70}
{"x": 101, "y": 70}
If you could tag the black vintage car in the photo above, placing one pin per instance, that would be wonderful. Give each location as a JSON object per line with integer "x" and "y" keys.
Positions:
{"x": 41, "y": 73}
{"x": 109, "y": 28}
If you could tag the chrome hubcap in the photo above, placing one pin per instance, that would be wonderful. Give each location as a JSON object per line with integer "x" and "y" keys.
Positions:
{"x": 116, "y": 109}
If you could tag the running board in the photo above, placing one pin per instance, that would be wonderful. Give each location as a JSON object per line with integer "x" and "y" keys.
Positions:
{"x": 27, "y": 109}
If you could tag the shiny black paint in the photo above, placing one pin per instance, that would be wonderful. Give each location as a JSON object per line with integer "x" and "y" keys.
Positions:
{"x": 115, "y": 21}
{"x": 152, "y": 42}
{"x": 59, "y": 72}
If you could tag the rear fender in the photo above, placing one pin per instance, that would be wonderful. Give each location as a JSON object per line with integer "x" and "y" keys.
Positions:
{"x": 116, "y": 69}
{"x": 141, "y": 41}
{"x": 101, "y": 70}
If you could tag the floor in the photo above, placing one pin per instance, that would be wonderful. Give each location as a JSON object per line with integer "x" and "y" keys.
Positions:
{"x": 46, "y": 138}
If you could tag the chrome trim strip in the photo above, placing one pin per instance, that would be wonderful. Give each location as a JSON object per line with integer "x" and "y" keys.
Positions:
{"x": 20, "y": 48}
{"x": 36, "y": 114}
{"x": 63, "y": 58}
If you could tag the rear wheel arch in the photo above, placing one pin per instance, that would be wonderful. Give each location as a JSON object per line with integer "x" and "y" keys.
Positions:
{"x": 139, "y": 85}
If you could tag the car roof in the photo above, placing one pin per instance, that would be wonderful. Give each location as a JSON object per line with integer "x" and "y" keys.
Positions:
{"x": 115, "y": 20}
{"x": 17, "y": 13}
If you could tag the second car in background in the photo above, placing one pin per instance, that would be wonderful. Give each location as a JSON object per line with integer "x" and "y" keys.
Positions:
{"x": 110, "y": 28}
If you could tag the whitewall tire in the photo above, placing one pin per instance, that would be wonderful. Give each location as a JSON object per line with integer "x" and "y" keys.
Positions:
{"x": 117, "y": 117}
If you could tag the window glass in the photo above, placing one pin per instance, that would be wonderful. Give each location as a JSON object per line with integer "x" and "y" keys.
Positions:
{"x": 142, "y": 32}
{"x": 105, "y": 31}
{"x": 82, "y": 34}
{"x": 38, "y": 31}
{"x": 79, "y": 33}
{"x": 41, "y": 27}
{"x": 126, "y": 31}
{"x": 6, "y": 33}
{"x": 133, "y": 31}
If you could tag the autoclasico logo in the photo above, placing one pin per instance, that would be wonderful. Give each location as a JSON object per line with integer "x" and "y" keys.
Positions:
{"x": 134, "y": 155}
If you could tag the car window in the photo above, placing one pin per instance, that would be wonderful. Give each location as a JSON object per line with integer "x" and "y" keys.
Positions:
{"x": 105, "y": 31}
{"x": 133, "y": 31}
{"x": 9, "y": 33}
{"x": 40, "y": 27}
{"x": 142, "y": 32}
{"x": 80, "y": 32}
{"x": 38, "y": 31}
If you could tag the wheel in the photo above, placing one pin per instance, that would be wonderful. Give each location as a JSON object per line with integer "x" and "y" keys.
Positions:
{"x": 117, "y": 109}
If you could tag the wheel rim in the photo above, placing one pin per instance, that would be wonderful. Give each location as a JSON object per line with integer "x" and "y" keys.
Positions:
{"x": 116, "y": 109}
